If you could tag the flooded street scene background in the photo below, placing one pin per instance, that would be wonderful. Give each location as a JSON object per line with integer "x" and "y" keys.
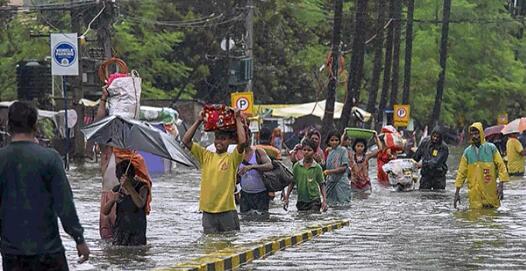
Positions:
{"x": 388, "y": 230}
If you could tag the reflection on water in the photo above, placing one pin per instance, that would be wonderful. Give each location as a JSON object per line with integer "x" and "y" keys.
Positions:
{"x": 389, "y": 230}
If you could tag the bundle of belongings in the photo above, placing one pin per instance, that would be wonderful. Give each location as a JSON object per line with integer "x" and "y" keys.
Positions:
{"x": 392, "y": 138}
{"x": 219, "y": 117}
{"x": 402, "y": 174}
{"x": 124, "y": 89}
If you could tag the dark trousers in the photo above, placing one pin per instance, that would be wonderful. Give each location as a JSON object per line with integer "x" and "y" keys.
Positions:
{"x": 313, "y": 206}
{"x": 254, "y": 201}
{"x": 428, "y": 182}
{"x": 45, "y": 262}
{"x": 220, "y": 222}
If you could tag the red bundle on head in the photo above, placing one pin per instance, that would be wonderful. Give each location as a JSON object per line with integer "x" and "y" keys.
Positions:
{"x": 219, "y": 117}
{"x": 394, "y": 141}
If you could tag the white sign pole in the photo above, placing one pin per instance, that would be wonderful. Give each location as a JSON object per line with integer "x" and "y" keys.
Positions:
{"x": 64, "y": 62}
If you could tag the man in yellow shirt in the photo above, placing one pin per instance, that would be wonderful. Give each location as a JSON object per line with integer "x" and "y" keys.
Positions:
{"x": 515, "y": 153}
{"x": 218, "y": 176}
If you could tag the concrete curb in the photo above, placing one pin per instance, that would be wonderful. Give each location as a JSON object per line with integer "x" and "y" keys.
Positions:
{"x": 230, "y": 258}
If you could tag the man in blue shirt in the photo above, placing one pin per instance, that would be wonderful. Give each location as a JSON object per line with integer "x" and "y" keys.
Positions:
{"x": 34, "y": 190}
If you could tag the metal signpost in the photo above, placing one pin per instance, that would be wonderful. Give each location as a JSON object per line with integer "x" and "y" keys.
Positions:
{"x": 65, "y": 62}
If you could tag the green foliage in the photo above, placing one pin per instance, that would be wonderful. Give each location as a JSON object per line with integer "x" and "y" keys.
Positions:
{"x": 150, "y": 50}
{"x": 485, "y": 75}
{"x": 15, "y": 46}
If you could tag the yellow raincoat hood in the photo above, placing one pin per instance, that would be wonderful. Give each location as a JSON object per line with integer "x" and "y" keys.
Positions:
{"x": 478, "y": 126}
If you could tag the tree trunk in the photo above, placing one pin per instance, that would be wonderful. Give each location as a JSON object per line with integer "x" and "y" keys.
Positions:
{"x": 377, "y": 66}
{"x": 387, "y": 67}
{"x": 328, "y": 116}
{"x": 397, "y": 15}
{"x": 357, "y": 59}
{"x": 443, "y": 60}
{"x": 408, "y": 51}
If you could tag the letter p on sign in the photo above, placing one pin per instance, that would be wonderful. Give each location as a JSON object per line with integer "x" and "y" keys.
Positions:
{"x": 243, "y": 101}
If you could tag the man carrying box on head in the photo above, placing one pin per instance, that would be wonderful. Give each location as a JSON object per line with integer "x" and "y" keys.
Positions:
{"x": 218, "y": 176}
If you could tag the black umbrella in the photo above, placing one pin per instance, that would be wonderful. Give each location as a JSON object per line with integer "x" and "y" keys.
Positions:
{"x": 136, "y": 135}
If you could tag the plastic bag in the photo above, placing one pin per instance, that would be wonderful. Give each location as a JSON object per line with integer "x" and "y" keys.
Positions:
{"x": 125, "y": 95}
{"x": 401, "y": 171}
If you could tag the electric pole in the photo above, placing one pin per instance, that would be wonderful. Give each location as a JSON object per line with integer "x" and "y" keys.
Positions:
{"x": 76, "y": 87}
{"x": 249, "y": 51}
{"x": 396, "y": 52}
{"x": 104, "y": 31}
{"x": 328, "y": 116}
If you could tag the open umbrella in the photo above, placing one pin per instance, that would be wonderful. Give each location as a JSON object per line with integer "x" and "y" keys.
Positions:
{"x": 136, "y": 135}
{"x": 493, "y": 130}
{"x": 516, "y": 126}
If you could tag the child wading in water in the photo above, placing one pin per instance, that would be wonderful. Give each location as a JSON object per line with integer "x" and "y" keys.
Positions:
{"x": 338, "y": 189}
{"x": 130, "y": 196}
{"x": 359, "y": 164}
{"x": 308, "y": 176}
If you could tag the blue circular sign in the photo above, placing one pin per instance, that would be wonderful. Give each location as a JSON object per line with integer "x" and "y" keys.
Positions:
{"x": 64, "y": 54}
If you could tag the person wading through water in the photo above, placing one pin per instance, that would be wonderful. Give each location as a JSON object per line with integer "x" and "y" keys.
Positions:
{"x": 432, "y": 156}
{"x": 480, "y": 164}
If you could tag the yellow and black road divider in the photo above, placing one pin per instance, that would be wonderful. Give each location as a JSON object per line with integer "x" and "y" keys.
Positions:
{"x": 231, "y": 258}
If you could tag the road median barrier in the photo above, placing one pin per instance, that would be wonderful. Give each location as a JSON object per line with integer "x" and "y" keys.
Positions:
{"x": 233, "y": 257}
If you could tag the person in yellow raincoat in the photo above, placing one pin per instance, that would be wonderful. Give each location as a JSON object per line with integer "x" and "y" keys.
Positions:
{"x": 515, "y": 153}
{"x": 480, "y": 164}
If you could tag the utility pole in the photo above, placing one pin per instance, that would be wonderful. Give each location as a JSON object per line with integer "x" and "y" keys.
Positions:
{"x": 443, "y": 60}
{"x": 328, "y": 116}
{"x": 249, "y": 51}
{"x": 228, "y": 64}
{"x": 396, "y": 52}
{"x": 78, "y": 93}
{"x": 408, "y": 50}
{"x": 104, "y": 31}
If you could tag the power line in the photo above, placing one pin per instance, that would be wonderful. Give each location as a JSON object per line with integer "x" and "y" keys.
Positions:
{"x": 203, "y": 24}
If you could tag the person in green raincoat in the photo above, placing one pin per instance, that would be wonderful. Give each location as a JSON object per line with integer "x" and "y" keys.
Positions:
{"x": 480, "y": 164}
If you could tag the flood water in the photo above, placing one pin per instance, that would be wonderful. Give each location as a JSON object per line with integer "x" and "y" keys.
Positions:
{"x": 400, "y": 230}
{"x": 417, "y": 230}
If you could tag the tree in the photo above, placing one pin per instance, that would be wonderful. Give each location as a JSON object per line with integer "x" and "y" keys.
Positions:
{"x": 443, "y": 60}
{"x": 387, "y": 65}
{"x": 408, "y": 50}
{"x": 378, "y": 50}
{"x": 357, "y": 61}
{"x": 328, "y": 116}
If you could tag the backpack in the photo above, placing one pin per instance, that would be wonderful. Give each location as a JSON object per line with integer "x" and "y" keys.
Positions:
{"x": 278, "y": 178}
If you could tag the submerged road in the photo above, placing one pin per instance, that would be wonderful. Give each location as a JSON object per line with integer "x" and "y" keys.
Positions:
{"x": 388, "y": 230}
